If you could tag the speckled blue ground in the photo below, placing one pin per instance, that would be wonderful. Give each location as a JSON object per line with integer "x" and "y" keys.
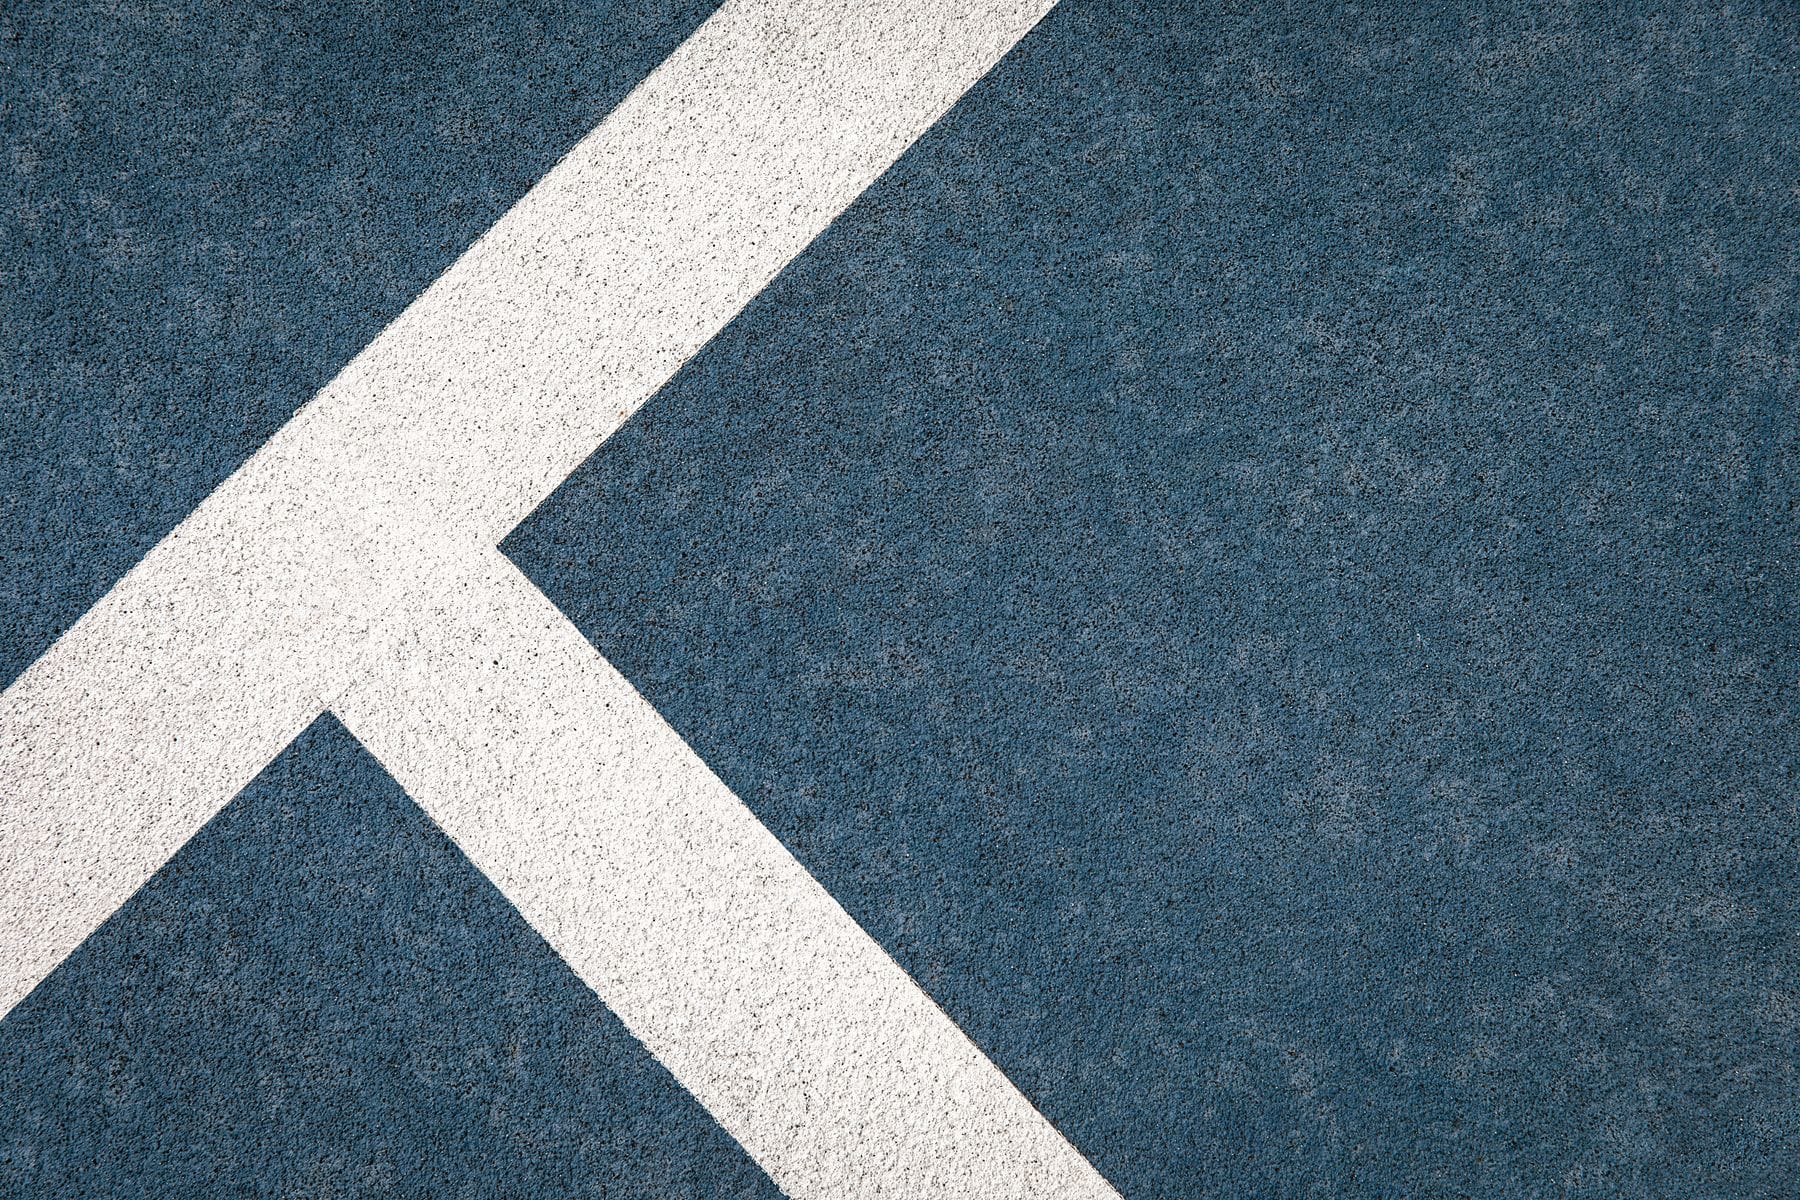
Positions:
{"x": 1259, "y": 562}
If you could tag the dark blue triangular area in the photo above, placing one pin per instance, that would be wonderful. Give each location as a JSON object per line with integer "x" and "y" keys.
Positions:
{"x": 320, "y": 996}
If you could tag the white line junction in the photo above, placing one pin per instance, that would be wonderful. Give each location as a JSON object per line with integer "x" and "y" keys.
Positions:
{"x": 351, "y": 565}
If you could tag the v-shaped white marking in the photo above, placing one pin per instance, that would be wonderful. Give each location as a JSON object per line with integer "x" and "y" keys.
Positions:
{"x": 350, "y": 565}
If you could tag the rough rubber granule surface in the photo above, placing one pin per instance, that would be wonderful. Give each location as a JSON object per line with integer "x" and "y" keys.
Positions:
{"x": 1257, "y": 561}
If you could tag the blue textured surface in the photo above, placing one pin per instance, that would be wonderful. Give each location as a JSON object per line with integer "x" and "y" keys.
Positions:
{"x": 213, "y": 206}
{"x": 320, "y": 996}
{"x": 1260, "y": 562}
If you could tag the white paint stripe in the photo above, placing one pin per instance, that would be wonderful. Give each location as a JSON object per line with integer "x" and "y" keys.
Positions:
{"x": 364, "y": 512}
{"x": 170, "y": 694}
{"x": 713, "y": 945}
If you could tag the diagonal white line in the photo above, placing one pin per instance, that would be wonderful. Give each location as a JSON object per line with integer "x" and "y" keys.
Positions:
{"x": 357, "y": 545}
{"x": 665, "y": 894}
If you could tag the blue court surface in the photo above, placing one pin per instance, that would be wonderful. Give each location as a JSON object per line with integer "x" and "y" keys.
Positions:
{"x": 1258, "y": 562}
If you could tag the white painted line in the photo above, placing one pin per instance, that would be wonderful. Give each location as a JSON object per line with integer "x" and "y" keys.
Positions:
{"x": 660, "y": 888}
{"x": 346, "y": 543}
